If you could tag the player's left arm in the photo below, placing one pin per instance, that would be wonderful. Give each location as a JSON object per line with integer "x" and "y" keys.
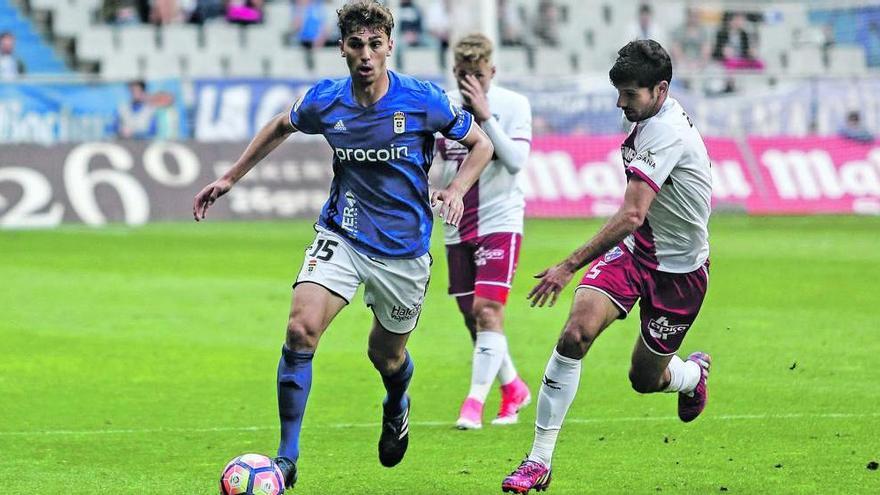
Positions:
{"x": 631, "y": 215}
{"x": 479, "y": 155}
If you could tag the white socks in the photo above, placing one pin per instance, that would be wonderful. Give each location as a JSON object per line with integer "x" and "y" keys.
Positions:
{"x": 683, "y": 375}
{"x": 490, "y": 350}
{"x": 558, "y": 388}
{"x": 507, "y": 373}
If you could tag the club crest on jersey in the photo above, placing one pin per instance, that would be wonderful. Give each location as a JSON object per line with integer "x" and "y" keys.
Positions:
{"x": 613, "y": 254}
{"x": 311, "y": 266}
{"x": 399, "y": 122}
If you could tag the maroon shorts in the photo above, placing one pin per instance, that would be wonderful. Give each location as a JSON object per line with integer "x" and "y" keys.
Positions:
{"x": 670, "y": 301}
{"x": 484, "y": 266}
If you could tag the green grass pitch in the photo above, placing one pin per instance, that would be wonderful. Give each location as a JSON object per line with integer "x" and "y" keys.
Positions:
{"x": 142, "y": 360}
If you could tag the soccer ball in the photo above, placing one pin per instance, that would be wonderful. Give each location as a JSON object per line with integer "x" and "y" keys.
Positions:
{"x": 251, "y": 474}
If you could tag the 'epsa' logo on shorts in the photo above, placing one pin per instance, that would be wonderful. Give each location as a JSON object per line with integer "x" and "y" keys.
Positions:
{"x": 613, "y": 254}
{"x": 483, "y": 255}
{"x": 661, "y": 329}
{"x": 401, "y": 313}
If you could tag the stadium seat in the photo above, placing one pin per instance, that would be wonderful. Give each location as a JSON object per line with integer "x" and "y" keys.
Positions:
{"x": 329, "y": 63}
{"x": 68, "y": 19}
{"x": 551, "y": 62}
{"x": 259, "y": 39}
{"x": 180, "y": 39}
{"x": 846, "y": 60}
{"x": 221, "y": 38}
{"x": 95, "y": 43}
{"x": 203, "y": 64}
{"x": 289, "y": 63}
{"x": 120, "y": 67}
{"x": 421, "y": 61}
{"x": 137, "y": 39}
{"x": 805, "y": 61}
{"x": 248, "y": 65}
{"x": 512, "y": 61}
{"x": 161, "y": 65}
{"x": 277, "y": 16}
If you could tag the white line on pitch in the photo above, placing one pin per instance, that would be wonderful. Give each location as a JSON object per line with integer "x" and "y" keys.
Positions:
{"x": 449, "y": 424}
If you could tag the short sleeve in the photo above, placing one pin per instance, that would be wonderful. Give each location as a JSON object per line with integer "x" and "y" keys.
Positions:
{"x": 657, "y": 152}
{"x": 445, "y": 117}
{"x": 303, "y": 116}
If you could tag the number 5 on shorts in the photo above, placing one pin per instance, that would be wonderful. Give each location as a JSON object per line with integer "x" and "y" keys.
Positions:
{"x": 324, "y": 249}
{"x": 595, "y": 271}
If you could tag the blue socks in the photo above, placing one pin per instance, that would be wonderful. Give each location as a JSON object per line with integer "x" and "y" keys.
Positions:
{"x": 395, "y": 386}
{"x": 294, "y": 383}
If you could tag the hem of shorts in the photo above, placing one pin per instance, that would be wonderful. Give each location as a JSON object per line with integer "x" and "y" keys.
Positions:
{"x": 347, "y": 300}
{"x": 460, "y": 294}
{"x": 388, "y": 329}
{"x": 490, "y": 282}
{"x": 609, "y": 296}
{"x": 654, "y": 351}
{"x": 468, "y": 238}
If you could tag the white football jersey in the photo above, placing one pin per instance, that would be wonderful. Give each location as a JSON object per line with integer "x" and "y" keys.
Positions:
{"x": 668, "y": 153}
{"x": 496, "y": 202}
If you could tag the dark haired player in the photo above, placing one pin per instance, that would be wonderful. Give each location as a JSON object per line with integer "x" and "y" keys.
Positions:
{"x": 654, "y": 248}
{"x": 375, "y": 228}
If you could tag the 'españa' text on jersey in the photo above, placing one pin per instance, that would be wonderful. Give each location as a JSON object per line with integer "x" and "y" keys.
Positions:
{"x": 381, "y": 156}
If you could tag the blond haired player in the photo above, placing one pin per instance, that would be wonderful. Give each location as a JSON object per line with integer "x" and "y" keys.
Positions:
{"x": 483, "y": 249}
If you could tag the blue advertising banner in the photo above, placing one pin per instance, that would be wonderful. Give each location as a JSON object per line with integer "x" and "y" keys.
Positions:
{"x": 51, "y": 113}
{"x": 235, "y": 109}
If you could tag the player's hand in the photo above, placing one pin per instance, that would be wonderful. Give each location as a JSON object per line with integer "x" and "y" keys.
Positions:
{"x": 206, "y": 197}
{"x": 553, "y": 280}
{"x": 453, "y": 205}
{"x": 476, "y": 98}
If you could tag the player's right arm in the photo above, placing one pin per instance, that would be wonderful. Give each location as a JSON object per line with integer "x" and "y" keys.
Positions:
{"x": 267, "y": 139}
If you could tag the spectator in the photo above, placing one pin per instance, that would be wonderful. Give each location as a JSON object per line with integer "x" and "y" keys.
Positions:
{"x": 511, "y": 25}
{"x": 734, "y": 45}
{"x": 869, "y": 37}
{"x": 139, "y": 118}
{"x": 205, "y": 10}
{"x": 311, "y": 19}
{"x": 547, "y": 23}
{"x": 11, "y": 67}
{"x": 644, "y": 28}
{"x": 244, "y": 11}
{"x": 121, "y": 12}
{"x": 690, "y": 47}
{"x": 409, "y": 17}
{"x": 854, "y": 130}
{"x": 166, "y": 12}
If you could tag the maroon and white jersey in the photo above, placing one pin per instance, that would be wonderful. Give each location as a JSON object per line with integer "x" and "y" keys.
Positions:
{"x": 495, "y": 203}
{"x": 668, "y": 153}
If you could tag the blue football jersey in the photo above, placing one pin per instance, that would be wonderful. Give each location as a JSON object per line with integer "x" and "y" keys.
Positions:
{"x": 381, "y": 156}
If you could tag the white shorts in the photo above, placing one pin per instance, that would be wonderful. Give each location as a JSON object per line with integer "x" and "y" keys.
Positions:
{"x": 394, "y": 289}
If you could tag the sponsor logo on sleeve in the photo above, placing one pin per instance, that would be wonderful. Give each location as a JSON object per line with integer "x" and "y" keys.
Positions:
{"x": 613, "y": 254}
{"x": 646, "y": 157}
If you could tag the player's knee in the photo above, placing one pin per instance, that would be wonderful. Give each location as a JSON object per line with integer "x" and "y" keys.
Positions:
{"x": 301, "y": 336}
{"x": 642, "y": 383}
{"x": 488, "y": 315}
{"x": 384, "y": 361}
{"x": 576, "y": 339}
